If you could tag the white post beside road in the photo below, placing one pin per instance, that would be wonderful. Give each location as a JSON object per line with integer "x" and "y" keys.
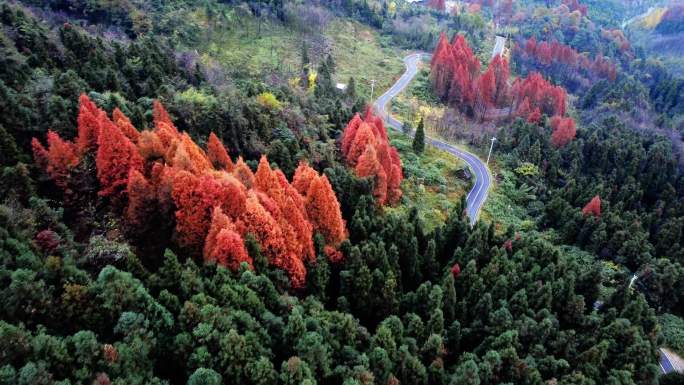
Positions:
{"x": 490, "y": 150}
{"x": 372, "y": 88}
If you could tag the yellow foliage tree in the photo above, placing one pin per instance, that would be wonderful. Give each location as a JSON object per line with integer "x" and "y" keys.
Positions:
{"x": 268, "y": 100}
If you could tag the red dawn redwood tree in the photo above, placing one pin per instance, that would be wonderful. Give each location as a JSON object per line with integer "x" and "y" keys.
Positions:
{"x": 369, "y": 166}
{"x": 539, "y": 93}
{"x": 116, "y": 156}
{"x": 196, "y": 196}
{"x": 160, "y": 115}
{"x": 303, "y": 177}
{"x": 125, "y": 125}
{"x": 59, "y": 158}
{"x": 364, "y": 137}
{"x": 350, "y": 133}
{"x": 324, "y": 211}
{"x": 499, "y": 66}
{"x": 223, "y": 244}
{"x": 89, "y": 120}
{"x": 564, "y": 131}
{"x": 366, "y": 148}
{"x": 218, "y": 156}
{"x": 150, "y": 146}
{"x": 243, "y": 173}
{"x": 535, "y": 116}
{"x": 285, "y": 209}
{"x": 593, "y": 208}
{"x": 485, "y": 89}
{"x": 257, "y": 221}
{"x": 163, "y": 126}
{"x": 141, "y": 199}
{"x": 193, "y": 211}
{"x": 293, "y": 214}
{"x": 442, "y": 67}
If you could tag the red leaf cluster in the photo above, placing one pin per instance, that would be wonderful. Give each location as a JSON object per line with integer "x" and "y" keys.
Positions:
{"x": 455, "y": 75}
{"x": 116, "y": 156}
{"x": 556, "y": 54}
{"x": 456, "y": 270}
{"x": 58, "y": 159}
{"x": 593, "y": 207}
{"x": 366, "y": 148}
{"x": 439, "y": 5}
{"x": 47, "y": 240}
{"x": 218, "y": 156}
{"x": 321, "y": 204}
{"x": 215, "y": 203}
{"x": 535, "y": 92}
{"x": 223, "y": 244}
{"x": 564, "y": 131}
{"x": 574, "y": 5}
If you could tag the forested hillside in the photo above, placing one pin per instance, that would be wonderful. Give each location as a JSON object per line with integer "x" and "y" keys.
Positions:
{"x": 203, "y": 193}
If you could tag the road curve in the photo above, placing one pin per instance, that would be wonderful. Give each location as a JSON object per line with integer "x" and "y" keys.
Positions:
{"x": 499, "y": 46}
{"x": 483, "y": 181}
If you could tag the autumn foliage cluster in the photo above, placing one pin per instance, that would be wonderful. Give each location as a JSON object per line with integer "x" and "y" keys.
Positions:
{"x": 214, "y": 202}
{"x": 618, "y": 37}
{"x": 534, "y": 96}
{"x": 366, "y": 148}
{"x": 439, "y": 5}
{"x": 561, "y": 55}
{"x": 455, "y": 75}
{"x": 564, "y": 130}
{"x": 593, "y": 208}
{"x": 574, "y": 5}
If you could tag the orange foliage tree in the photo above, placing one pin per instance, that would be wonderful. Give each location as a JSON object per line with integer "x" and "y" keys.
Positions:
{"x": 59, "y": 158}
{"x": 116, "y": 157}
{"x": 593, "y": 207}
{"x": 218, "y": 155}
{"x": 213, "y": 202}
{"x": 324, "y": 211}
{"x": 223, "y": 244}
{"x": 564, "y": 58}
{"x": 456, "y": 78}
{"x": 564, "y": 131}
{"x": 365, "y": 147}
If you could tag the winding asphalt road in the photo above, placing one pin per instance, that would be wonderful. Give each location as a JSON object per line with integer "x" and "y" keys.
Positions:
{"x": 669, "y": 361}
{"x": 499, "y": 46}
{"x": 483, "y": 181}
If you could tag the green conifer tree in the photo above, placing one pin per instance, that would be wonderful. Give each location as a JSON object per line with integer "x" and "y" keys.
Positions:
{"x": 419, "y": 138}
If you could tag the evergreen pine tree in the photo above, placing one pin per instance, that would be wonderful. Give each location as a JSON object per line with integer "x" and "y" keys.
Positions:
{"x": 419, "y": 138}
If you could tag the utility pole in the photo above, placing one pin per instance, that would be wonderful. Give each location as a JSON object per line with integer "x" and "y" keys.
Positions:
{"x": 490, "y": 150}
{"x": 372, "y": 88}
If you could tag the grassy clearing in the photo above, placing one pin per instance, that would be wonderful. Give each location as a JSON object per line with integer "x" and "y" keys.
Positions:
{"x": 254, "y": 46}
{"x": 242, "y": 43}
{"x": 431, "y": 181}
{"x": 359, "y": 52}
{"x": 507, "y": 203}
